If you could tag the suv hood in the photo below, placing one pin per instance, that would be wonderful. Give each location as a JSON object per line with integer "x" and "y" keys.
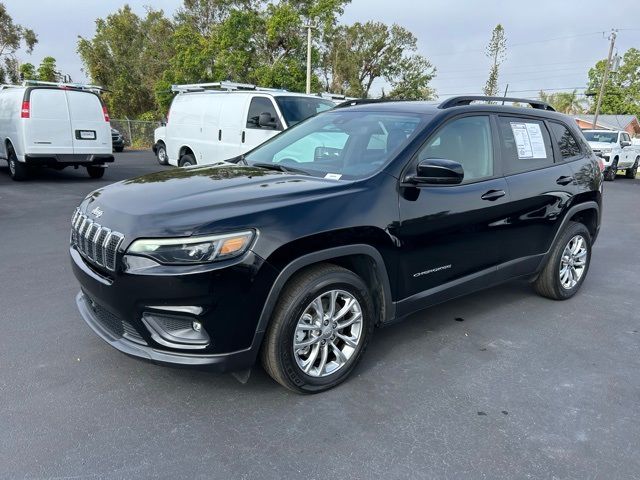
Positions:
{"x": 181, "y": 200}
{"x": 601, "y": 145}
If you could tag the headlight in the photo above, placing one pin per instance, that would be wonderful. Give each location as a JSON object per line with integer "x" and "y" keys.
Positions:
{"x": 606, "y": 150}
{"x": 192, "y": 250}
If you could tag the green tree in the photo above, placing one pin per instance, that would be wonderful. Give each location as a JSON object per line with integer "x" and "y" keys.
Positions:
{"x": 127, "y": 55}
{"x": 496, "y": 51}
{"x": 362, "y": 53}
{"x": 565, "y": 102}
{"x": 12, "y": 37}
{"x": 28, "y": 71}
{"x": 47, "y": 70}
{"x": 622, "y": 91}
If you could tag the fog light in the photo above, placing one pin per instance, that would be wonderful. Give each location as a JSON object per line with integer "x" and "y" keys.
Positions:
{"x": 197, "y": 326}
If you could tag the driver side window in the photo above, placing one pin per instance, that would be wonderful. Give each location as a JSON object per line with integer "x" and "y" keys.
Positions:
{"x": 466, "y": 140}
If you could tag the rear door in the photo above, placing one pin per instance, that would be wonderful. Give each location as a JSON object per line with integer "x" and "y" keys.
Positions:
{"x": 254, "y": 134}
{"x": 48, "y": 129}
{"x": 541, "y": 185}
{"x": 90, "y": 131}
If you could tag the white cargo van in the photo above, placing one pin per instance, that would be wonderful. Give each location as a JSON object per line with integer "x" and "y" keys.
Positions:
{"x": 55, "y": 125}
{"x": 211, "y": 122}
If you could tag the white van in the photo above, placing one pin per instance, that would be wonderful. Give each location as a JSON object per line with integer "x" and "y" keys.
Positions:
{"x": 55, "y": 125}
{"x": 207, "y": 126}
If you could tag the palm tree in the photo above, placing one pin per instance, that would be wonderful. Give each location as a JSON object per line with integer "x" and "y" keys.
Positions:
{"x": 565, "y": 102}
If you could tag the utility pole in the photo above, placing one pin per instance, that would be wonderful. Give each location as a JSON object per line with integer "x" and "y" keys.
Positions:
{"x": 309, "y": 27}
{"x": 612, "y": 38}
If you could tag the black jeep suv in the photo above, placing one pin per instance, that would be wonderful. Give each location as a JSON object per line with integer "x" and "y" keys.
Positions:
{"x": 352, "y": 219}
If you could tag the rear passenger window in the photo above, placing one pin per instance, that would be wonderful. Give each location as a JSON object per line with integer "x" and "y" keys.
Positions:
{"x": 567, "y": 144}
{"x": 467, "y": 141}
{"x": 260, "y": 105}
{"x": 526, "y": 144}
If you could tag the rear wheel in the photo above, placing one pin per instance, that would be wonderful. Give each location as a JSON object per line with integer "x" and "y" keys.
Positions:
{"x": 320, "y": 329}
{"x": 187, "y": 160}
{"x": 568, "y": 264}
{"x": 17, "y": 169}
{"x": 633, "y": 171}
{"x": 161, "y": 154}
{"x": 95, "y": 172}
{"x": 119, "y": 149}
{"x": 610, "y": 174}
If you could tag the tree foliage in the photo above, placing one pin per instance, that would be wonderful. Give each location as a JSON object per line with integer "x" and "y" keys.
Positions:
{"x": 12, "y": 37}
{"x": 496, "y": 51}
{"x": 622, "y": 91}
{"x": 47, "y": 70}
{"x": 565, "y": 102}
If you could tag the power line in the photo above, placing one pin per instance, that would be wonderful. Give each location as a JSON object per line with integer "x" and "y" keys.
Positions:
{"x": 521, "y": 91}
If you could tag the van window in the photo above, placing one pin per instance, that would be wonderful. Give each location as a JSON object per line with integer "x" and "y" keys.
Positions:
{"x": 525, "y": 143}
{"x": 85, "y": 106}
{"x": 258, "y": 106}
{"x": 297, "y": 109}
{"x": 467, "y": 141}
{"x": 48, "y": 104}
{"x": 566, "y": 142}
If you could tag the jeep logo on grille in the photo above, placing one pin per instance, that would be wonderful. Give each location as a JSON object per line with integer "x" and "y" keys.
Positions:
{"x": 96, "y": 212}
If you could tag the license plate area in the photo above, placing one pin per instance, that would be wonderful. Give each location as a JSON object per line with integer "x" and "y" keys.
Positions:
{"x": 85, "y": 135}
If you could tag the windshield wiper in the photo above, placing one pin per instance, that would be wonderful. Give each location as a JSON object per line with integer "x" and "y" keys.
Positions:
{"x": 280, "y": 168}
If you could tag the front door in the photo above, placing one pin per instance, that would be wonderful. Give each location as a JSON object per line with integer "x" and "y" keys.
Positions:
{"x": 255, "y": 134}
{"x": 452, "y": 234}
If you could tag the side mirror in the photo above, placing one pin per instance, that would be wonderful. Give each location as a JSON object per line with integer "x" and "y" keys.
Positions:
{"x": 437, "y": 171}
{"x": 624, "y": 143}
{"x": 265, "y": 120}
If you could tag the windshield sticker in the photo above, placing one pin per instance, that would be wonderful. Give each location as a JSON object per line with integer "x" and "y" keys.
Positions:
{"x": 529, "y": 140}
{"x": 333, "y": 176}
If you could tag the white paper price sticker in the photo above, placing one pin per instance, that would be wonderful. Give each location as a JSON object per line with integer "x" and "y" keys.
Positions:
{"x": 529, "y": 140}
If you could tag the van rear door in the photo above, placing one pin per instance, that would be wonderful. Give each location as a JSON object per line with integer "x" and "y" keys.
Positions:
{"x": 90, "y": 132}
{"x": 47, "y": 131}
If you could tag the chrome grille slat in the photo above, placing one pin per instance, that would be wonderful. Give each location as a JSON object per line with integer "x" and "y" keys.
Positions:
{"x": 95, "y": 242}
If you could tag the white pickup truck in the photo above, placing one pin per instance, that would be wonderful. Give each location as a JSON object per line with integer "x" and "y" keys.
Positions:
{"x": 616, "y": 149}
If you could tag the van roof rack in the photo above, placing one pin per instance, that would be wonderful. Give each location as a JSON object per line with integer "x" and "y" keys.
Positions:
{"x": 467, "y": 99}
{"x": 335, "y": 96}
{"x": 225, "y": 86}
{"x": 78, "y": 86}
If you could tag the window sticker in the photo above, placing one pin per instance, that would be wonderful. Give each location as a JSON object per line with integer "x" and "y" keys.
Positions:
{"x": 333, "y": 176}
{"x": 529, "y": 140}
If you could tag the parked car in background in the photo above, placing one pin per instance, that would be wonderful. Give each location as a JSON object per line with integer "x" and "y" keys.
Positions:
{"x": 211, "y": 122}
{"x": 617, "y": 151}
{"x": 295, "y": 255}
{"x": 55, "y": 125}
{"x": 117, "y": 140}
{"x": 160, "y": 144}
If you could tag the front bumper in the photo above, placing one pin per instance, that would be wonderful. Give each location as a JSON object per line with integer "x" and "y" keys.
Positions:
{"x": 226, "y": 301}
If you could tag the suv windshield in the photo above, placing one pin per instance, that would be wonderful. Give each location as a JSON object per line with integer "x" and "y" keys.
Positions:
{"x": 339, "y": 144}
{"x": 605, "y": 137}
{"x": 297, "y": 109}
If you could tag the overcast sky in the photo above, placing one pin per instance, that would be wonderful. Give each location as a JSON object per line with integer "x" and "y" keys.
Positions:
{"x": 551, "y": 43}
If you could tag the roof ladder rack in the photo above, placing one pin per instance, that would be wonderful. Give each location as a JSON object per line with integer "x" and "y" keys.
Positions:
{"x": 78, "y": 86}
{"x": 466, "y": 100}
{"x": 225, "y": 86}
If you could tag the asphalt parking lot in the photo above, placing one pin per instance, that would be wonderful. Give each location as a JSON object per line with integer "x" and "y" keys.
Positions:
{"x": 522, "y": 387}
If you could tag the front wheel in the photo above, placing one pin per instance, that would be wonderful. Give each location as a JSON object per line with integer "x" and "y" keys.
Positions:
{"x": 633, "y": 171}
{"x": 610, "y": 174}
{"x": 568, "y": 264}
{"x": 161, "y": 155}
{"x": 320, "y": 329}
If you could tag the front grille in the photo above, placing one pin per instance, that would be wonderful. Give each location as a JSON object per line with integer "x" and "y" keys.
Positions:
{"x": 95, "y": 242}
{"x": 116, "y": 325}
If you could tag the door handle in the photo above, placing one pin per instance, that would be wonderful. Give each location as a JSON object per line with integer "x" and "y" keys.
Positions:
{"x": 493, "y": 195}
{"x": 564, "y": 180}
{"x": 243, "y": 136}
{"x": 219, "y": 135}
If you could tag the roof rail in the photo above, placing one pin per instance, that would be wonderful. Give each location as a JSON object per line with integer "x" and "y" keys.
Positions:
{"x": 6, "y": 85}
{"x": 227, "y": 86}
{"x": 79, "y": 86}
{"x": 466, "y": 100}
{"x": 364, "y": 101}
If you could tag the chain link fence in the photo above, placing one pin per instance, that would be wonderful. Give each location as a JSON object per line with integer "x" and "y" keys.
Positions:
{"x": 136, "y": 133}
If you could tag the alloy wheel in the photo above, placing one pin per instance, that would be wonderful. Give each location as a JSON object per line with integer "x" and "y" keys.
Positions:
{"x": 328, "y": 333}
{"x": 573, "y": 262}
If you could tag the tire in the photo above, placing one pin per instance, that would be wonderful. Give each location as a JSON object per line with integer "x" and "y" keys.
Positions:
{"x": 549, "y": 283}
{"x": 610, "y": 174}
{"x": 187, "y": 160}
{"x": 96, "y": 172}
{"x": 633, "y": 171}
{"x": 17, "y": 170}
{"x": 161, "y": 154}
{"x": 119, "y": 149}
{"x": 280, "y": 360}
